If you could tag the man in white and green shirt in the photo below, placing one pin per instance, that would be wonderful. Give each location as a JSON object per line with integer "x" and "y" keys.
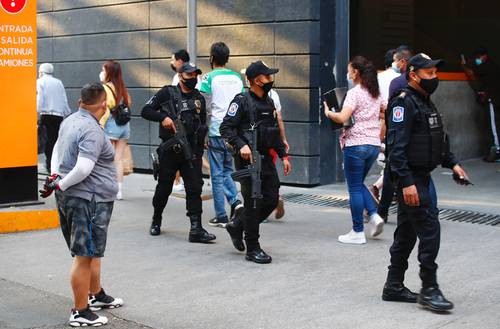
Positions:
{"x": 219, "y": 87}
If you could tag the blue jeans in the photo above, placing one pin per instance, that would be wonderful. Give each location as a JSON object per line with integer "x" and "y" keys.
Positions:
{"x": 221, "y": 167}
{"x": 357, "y": 163}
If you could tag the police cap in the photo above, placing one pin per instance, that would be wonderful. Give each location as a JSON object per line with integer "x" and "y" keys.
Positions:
{"x": 257, "y": 68}
{"x": 423, "y": 61}
{"x": 189, "y": 68}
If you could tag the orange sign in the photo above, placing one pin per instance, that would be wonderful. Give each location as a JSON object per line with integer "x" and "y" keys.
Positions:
{"x": 18, "y": 74}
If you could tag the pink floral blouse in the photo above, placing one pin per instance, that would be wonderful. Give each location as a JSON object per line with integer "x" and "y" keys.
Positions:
{"x": 366, "y": 112}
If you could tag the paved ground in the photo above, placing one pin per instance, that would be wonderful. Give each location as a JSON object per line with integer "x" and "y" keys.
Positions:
{"x": 313, "y": 282}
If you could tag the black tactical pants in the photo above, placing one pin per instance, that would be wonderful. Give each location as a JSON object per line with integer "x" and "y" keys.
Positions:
{"x": 170, "y": 163}
{"x": 416, "y": 222}
{"x": 253, "y": 216}
{"x": 51, "y": 124}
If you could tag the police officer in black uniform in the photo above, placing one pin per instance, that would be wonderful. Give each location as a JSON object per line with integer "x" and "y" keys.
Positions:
{"x": 186, "y": 103}
{"x": 417, "y": 144}
{"x": 249, "y": 109}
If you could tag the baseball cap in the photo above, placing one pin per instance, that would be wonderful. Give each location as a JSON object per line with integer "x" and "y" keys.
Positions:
{"x": 423, "y": 61}
{"x": 257, "y": 68}
{"x": 189, "y": 68}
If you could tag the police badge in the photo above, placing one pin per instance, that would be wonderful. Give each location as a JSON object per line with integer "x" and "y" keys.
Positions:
{"x": 197, "y": 105}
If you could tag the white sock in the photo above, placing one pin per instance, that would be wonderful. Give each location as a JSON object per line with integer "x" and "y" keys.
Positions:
{"x": 120, "y": 187}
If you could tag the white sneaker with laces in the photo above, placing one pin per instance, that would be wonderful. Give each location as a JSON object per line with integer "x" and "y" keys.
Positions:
{"x": 102, "y": 300}
{"x": 376, "y": 225}
{"x": 353, "y": 238}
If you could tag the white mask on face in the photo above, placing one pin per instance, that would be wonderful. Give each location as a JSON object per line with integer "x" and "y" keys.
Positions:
{"x": 396, "y": 68}
{"x": 102, "y": 76}
{"x": 350, "y": 83}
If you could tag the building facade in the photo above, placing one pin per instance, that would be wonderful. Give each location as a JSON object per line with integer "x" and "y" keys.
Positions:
{"x": 308, "y": 40}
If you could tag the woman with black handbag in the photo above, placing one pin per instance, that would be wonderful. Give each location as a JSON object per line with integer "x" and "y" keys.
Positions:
{"x": 116, "y": 119}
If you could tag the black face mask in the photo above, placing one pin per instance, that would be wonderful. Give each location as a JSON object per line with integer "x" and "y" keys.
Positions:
{"x": 190, "y": 83}
{"x": 173, "y": 68}
{"x": 267, "y": 87}
{"x": 429, "y": 85}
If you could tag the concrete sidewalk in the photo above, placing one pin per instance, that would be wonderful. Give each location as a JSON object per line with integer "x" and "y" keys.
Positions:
{"x": 313, "y": 282}
{"x": 483, "y": 196}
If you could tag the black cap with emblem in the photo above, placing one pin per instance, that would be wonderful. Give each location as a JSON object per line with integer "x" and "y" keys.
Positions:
{"x": 189, "y": 68}
{"x": 423, "y": 61}
{"x": 257, "y": 68}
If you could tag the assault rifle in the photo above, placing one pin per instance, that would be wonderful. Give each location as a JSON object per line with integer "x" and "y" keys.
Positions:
{"x": 253, "y": 170}
{"x": 179, "y": 142}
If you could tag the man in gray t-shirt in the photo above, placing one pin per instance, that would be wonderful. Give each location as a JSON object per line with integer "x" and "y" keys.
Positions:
{"x": 84, "y": 178}
{"x": 82, "y": 136}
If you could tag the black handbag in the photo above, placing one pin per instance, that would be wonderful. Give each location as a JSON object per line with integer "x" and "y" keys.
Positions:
{"x": 121, "y": 112}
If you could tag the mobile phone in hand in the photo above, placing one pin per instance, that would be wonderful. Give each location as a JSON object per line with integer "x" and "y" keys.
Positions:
{"x": 461, "y": 180}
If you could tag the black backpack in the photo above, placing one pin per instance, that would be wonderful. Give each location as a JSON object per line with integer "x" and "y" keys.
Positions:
{"x": 121, "y": 112}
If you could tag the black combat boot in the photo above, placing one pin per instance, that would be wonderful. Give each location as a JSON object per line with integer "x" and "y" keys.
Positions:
{"x": 235, "y": 230}
{"x": 433, "y": 299}
{"x": 154, "y": 230}
{"x": 397, "y": 292}
{"x": 197, "y": 232}
{"x": 258, "y": 256}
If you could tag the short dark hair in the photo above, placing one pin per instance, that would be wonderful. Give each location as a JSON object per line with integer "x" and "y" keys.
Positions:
{"x": 91, "y": 93}
{"x": 405, "y": 51}
{"x": 182, "y": 54}
{"x": 389, "y": 58}
{"x": 402, "y": 48}
{"x": 219, "y": 52}
{"x": 480, "y": 51}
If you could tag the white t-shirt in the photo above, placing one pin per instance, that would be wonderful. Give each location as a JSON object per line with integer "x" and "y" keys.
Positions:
{"x": 276, "y": 99}
{"x": 384, "y": 81}
{"x": 221, "y": 86}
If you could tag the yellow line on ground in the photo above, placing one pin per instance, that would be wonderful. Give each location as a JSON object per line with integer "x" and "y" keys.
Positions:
{"x": 28, "y": 220}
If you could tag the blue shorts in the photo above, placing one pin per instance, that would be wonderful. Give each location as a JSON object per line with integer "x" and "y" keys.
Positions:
{"x": 116, "y": 132}
{"x": 84, "y": 224}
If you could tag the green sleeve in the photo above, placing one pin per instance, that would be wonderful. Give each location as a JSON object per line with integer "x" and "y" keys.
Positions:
{"x": 206, "y": 84}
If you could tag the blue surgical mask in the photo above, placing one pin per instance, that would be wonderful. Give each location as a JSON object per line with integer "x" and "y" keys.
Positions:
{"x": 350, "y": 83}
{"x": 396, "y": 68}
{"x": 479, "y": 61}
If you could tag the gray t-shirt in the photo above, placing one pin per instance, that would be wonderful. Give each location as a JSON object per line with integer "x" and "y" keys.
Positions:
{"x": 81, "y": 135}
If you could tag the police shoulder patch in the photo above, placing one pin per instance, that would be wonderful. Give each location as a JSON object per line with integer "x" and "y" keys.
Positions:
{"x": 398, "y": 114}
{"x": 233, "y": 108}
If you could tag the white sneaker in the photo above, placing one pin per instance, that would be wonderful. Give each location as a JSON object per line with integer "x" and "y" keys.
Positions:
{"x": 102, "y": 300}
{"x": 178, "y": 188}
{"x": 375, "y": 224}
{"x": 86, "y": 318}
{"x": 353, "y": 238}
{"x": 119, "y": 195}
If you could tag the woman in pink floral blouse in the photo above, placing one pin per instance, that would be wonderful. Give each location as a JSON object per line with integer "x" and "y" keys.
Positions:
{"x": 361, "y": 145}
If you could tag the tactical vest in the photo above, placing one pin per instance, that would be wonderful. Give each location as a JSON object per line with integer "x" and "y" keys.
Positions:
{"x": 267, "y": 126}
{"x": 427, "y": 146}
{"x": 189, "y": 110}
